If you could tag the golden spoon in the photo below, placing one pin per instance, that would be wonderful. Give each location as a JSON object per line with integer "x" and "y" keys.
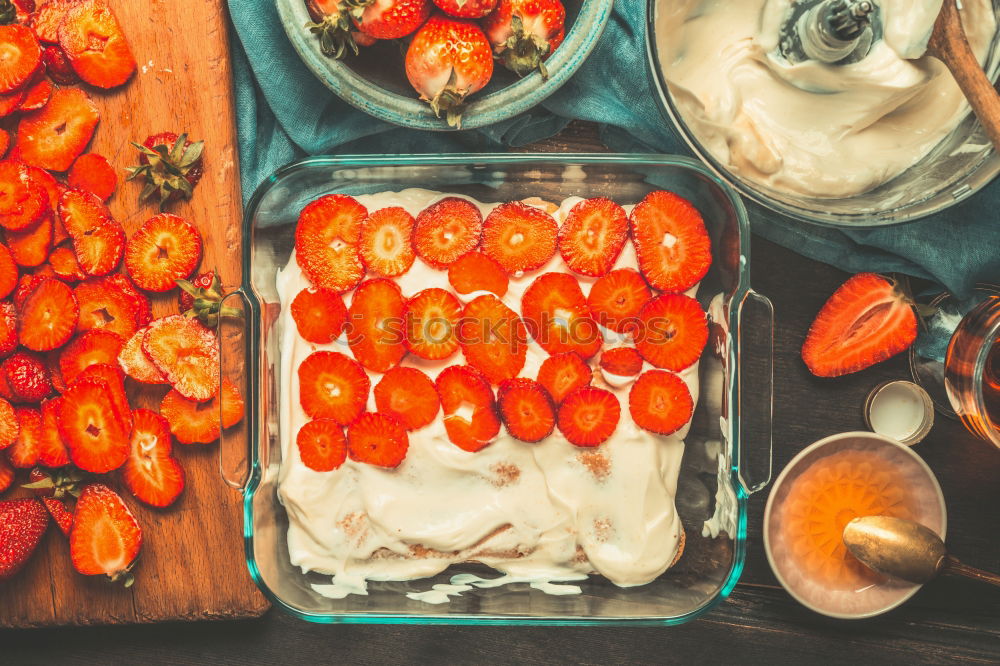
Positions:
{"x": 905, "y": 549}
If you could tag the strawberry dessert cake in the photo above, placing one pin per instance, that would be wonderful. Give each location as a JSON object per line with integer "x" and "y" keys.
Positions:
{"x": 501, "y": 383}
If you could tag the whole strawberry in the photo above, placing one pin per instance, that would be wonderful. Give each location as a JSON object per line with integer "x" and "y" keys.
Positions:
{"x": 473, "y": 9}
{"x": 170, "y": 166}
{"x": 201, "y": 299}
{"x": 390, "y": 19}
{"x": 27, "y": 376}
{"x": 448, "y": 60}
{"x": 525, "y": 32}
{"x": 22, "y": 524}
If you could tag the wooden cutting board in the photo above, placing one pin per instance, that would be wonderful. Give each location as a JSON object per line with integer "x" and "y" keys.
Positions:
{"x": 192, "y": 565}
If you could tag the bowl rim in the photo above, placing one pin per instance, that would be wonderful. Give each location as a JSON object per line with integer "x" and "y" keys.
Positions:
{"x": 500, "y": 105}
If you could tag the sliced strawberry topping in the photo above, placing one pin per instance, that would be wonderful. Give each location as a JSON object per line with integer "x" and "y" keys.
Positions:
{"x": 95, "y": 44}
{"x": 519, "y": 237}
{"x": 104, "y": 307}
{"x": 198, "y": 422}
{"x": 593, "y": 236}
{"x": 91, "y": 427}
{"x": 375, "y": 328}
{"x": 616, "y": 299}
{"x": 557, "y": 316}
{"x": 408, "y": 395}
{"x": 64, "y": 264}
{"x": 93, "y": 173}
{"x": 588, "y": 416}
{"x": 332, "y": 386}
{"x": 446, "y": 230}
{"x": 377, "y": 439}
{"x": 672, "y": 331}
{"x": 322, "y": 445}
{"x": 526, "y": 409}
{"x": 52, "y": 450}
{"x": 96, "y": 346}
{"x": 9, "y": 427}
{"x": 187, "y": 353}
{"x": 468, "y": 406}
{"x": 27, "y": 377}
{"x": 30, "y": 246}
{"x": 319, "y": 314}
{"x": 152, "y": 474}
{"x": 477, "y": 272}
{"x": 493, "y": 337}
{"x": 166, "y": 248}
{"x": 23, "y": 203}
{"x": 671, "y": 242}
{"x": 53, "y": 136}
{"x": 385, "y": 241}
{"x": 98, "y": 240}
{"x": 561, "y": 374}
{"x": 431, "y": 323}
{"x": 106, "y": 537}
{"x": 660, "y": 402}
{"x": 23, "y": 453}
{"x": 48, "y": 317}
{"x": 8, "y": 328}
{"x": 134, "y": 362}
{"x": 326, "y": 242}
{"x": 867, "y": 320}
{"x": 8, "y": 272}
{"x": 622, "y": 361}
{"x": 19, "y": 58}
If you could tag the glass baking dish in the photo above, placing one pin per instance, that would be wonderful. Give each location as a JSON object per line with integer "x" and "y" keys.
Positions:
{"x": 714, "y": 479}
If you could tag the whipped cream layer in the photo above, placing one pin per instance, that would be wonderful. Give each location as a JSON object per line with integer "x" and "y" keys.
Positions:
{"x": 540, "y": 512}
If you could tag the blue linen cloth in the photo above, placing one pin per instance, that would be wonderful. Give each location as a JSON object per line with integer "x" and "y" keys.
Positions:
{"x": 284, "y": 112}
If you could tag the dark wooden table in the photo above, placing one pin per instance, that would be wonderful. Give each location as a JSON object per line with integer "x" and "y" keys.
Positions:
{"x": 948, "y": 620}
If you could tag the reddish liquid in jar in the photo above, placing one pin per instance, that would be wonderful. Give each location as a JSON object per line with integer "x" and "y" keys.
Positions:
{"x": 824, "y": 498}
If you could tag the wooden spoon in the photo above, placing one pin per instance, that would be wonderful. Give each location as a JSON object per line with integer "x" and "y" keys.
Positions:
{"x": 949, "y": 44}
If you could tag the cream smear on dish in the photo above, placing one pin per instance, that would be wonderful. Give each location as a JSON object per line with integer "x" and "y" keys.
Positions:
{"x": 810, "y": 128}
{"x": 537, "y": 513}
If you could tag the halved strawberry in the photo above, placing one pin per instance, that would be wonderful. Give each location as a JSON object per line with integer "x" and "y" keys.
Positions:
{"x": 8, "y": 328}
{"x": 319, "y": 314}
{"x": 867, "y": 320}
{"x": 37, "y": 93}
{"x": 58, "y": 67}
{"x": 475, "y": 271}
{"x": 90, "y": 426}
{"x": 332, "y": 386}
{"x": 104, "y": 307}
{"x": 9, "y": 427}
{"x": 593, "y": 236}
{"x": 115, "y": 379}
{"x": 432, "y": 318}
{"x": 616, "y": 299}
{"x": 526, "y": 409}
{"x": 19, "y": 57}
{"x": 88, "y": 348}
{"x": 61, "y": 516}
{"x": 198, "y": 422}
{"x": 377, "y": 439}
{"x": 141, "y": 306}
{"x": 93, "y": 173}
{"x": 621, "y": 361}
{"x": 106, "y": 537}
{"x": 48, "y": 317}
{"x": 660, "y": 402}
{"x": 187, "y": 353}
{"x": 23, "y": 453}
{"x": 46, "y": 19}
{"x": 446, "y": 230}
{"x": 519, "y": 237}
{"x": 98, "y": 240}
{"x": 385, "y": 241}
{"x": 468, "y": 406}
{"x": 326, "y": 242}
{"x": 30, "y": 246}
{"x": 27, "y": 377}
{"x": 166, "y": 248}
{"x": 671, "y": 242}
{"x": 375, "y": 328}
{"x": 95, "y": 44}
{"x": 134, "y": 362}
{"x": 588, "y": 416}
{"x": 408, "y": 395}
{"x": 52, "y": 450}
{"x": 322, "y": 445}
{"x": 8, "y": 272}
{"x": 561, "y": 374}
{"x": 557, "y": 316}
{"x": 493, "y": 338}
{"x": 152, "y": 474}
{"x": 53, "y": 136}
{"x": 64, "y": 264}
{"x": 22, "y": 201}
{"x": 672, "y": 331}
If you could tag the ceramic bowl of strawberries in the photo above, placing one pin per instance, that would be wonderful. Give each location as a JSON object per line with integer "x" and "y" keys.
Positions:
{"x": 444, "y": 64}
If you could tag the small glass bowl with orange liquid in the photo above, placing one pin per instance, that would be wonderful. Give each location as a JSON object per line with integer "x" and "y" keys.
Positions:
{"x": 823, "y": 488}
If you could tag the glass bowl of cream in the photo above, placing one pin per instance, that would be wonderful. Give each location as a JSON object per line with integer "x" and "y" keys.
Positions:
{"x": 884, "y": 140}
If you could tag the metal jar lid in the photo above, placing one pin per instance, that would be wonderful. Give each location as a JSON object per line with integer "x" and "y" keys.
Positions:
{"x": 900, "y": 410}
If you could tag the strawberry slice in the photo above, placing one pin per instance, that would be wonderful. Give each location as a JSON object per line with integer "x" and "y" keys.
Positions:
{"x": 9, "y": 427}
{"x": 36, "y": 94}
{"x": 432, "y": 317}
{"x": 8, "y": 328}
{"x": 6, "y": 474}
{"x": 98, "y": 240}
{"x": 867, "y": 320}
{"x": 151, "y": 473}
{"x": 93, "y": 173}
{"x": 519, "y": 237}
{"x": 89, "y": 348}
{"x": 57, "y": 65}
{"x": 140, "y": 301}
{"x": 65, "y": 266}
{"x": 134, "y": 362}
{"x": 468, "y": 406}
{"x": 52, "y": 137}
{"x": 106, "y": 537}
{"x": 23, "y": 202}
{"x": 558, "y": 317}
{"x": 52, "y": 450}
{"x": 95, "y": 44}
{"x": 4, "y": 142}
{"x": 593, "y": 236}
{"x": 8, "y": 272}
{"x": 475, "y": 271}
{"x": 30, "y": 246}
{"x": 319, "y": 314}
{"x": 671, "y": 241}
{"x": 526, "y": 409}
{"x": 198, "y": 422}
{"x": 672, "y": 331}
{"x": 322, "y": 445}
{"x": 61, "y": 516}
{"x": 48, "y": 317}
{"x": 104, "y": 307}
{"x": 187, "y": 353}
{"x": 378, "y": 440}
{"x": 23, "y": 453}
{"x": 561, "y": 374}
{"x": 27, "y": 377}
{"x": 588, "y": 416}
{"x": 621, "y": 361}
{"x": 660, "y": 402}
{"x": 46, "y": 19}
{"x": 20, "y": 55}
{"x": 376, "y": 332}
{"x": 493, "y": 337}
{"x": 446, "y": 230}
{"x": 10, "y": 101}
{"x": 53, "y": 188}
{"x": 166, "y": 248}
{"x": 115, "y": 379}
{"x": 332, "y": 386}
{"x": 326, "y": 242}
{"x": 616, "y": 299}
{"x": 408, "y": 395}
{"x": 385, "y": 241}
{"x": 91, "y": 426}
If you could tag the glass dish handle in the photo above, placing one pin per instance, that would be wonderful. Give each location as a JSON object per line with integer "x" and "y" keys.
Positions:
{"x": 755, "y": 360}
{"x": 232, "y": 335}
